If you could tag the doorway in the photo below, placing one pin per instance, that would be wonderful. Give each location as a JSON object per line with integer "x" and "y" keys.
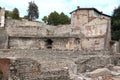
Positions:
{"x": 49, "y": 43}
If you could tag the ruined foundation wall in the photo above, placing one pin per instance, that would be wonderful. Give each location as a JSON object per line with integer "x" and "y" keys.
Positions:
{"x": 53, "y": 61}
{"x": 26, "y": 43}
{"x": 52, "y": 55}
{"x": 29, "y": 69}
{"x": 92, "y": 33}
{"x": 41, "y": 43}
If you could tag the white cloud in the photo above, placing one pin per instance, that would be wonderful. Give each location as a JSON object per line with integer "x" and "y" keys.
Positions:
{"x": 66, "y": 6}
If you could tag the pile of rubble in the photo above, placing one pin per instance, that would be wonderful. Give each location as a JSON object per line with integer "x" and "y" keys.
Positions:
{"x": 108, "y": 73}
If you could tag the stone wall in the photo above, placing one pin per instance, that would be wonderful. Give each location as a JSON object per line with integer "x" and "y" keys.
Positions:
{"x": 94, "y": 43}
{"x": 92, "y": 63}
{"x": 62, "y": 63}
{"x": 24, "y": 69}
{"x": 26, "y": 43}
{"x": 96, "y": 33}
{"x": 85, "y": 24}
{"x": 58, "y": 43}
{"x": 28, "y": 69}
{"x": 24, "y": 28}
{"x": 53, "y": 56}
{"x": 58, "y": 62}
{"x": 35, "y": 29}
{"x": 33, "y": 35}
{"x": 94, "y": 26}
{"x": 3, "y": 39}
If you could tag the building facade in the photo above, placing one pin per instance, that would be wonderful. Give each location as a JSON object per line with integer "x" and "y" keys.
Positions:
{"x": 89, "y": 29}
{"x": 94, "y": 26}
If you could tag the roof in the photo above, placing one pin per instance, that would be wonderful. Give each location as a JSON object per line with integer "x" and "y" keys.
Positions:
{"x": 90, "y": 9}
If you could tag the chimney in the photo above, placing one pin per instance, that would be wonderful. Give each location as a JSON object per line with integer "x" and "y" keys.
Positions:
{"x": 78, "y": 7}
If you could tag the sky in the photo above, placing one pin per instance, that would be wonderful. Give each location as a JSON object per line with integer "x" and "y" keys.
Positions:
{"x": 66, "y": 6}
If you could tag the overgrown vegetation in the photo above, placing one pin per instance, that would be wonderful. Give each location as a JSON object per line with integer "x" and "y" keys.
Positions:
{"x": 15, "y": 14}
{"x": 54, "y": 18}
{"x": 12, "y": 14}
{"x": 33, "y": 12}
{"x": 115, "y": 29}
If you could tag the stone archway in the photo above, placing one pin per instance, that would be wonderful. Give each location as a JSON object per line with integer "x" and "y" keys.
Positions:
{"x": 5, "y": 68}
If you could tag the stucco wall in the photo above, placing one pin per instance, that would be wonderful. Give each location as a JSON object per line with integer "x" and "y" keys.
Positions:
{"x": 79, "y": 18}
{"x": 94, "y": 27}
{"x": 93, "y": 43}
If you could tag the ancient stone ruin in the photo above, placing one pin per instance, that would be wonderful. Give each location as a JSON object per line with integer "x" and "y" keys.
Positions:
{"x": 83, "y": 50}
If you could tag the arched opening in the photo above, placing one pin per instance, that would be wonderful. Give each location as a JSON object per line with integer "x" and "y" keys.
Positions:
{"x": 1, "y": 75}
{"x": 49, "y": 44}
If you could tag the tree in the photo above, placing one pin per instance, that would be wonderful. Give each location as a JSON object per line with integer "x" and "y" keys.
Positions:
{"x": 8, "y": 14}
{"x": 45, "y": 19}
{"x": 33, "y": 12}
{"x": 53, "y": 18}
{"x": 115, "y": 29}
{"x": 15, "y": 14}
{"x": 64, "y": 19}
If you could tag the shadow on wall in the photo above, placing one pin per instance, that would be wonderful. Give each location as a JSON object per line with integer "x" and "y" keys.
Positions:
{"x": 1, "y": 75}
{"x": 3, "y": 39}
